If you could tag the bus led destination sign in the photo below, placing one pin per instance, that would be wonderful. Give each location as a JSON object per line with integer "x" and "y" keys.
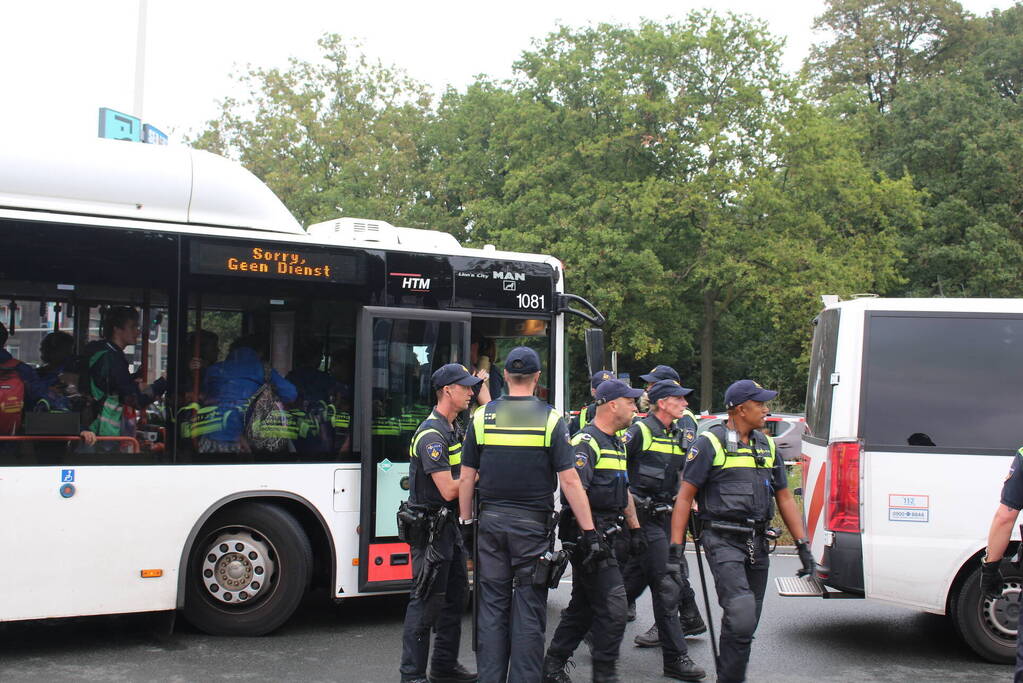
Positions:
{"x": 220, "y": 259}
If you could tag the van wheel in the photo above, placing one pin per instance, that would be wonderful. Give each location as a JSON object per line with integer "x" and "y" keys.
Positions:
{"x": 989, "y": 625}
{"x": 247, "y": 571}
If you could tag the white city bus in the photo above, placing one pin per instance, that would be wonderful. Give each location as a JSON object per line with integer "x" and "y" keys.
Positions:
{"x": 912, "y": 418}
{"x": 357, "y": 313}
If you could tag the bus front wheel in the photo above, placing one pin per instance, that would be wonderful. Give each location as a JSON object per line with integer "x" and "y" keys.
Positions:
{"x": 247, "y": 571}
{"x": 989, "y": 625}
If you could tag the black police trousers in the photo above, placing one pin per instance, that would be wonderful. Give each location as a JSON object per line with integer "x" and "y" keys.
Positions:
{"x": 512, "y": 611}
{"x": 597, "y": 605}
{"x": 441, "y": 610}
{"x": 740, "y": 584}
{"x": 635, "y": 576}
{"x": 650, "y": 569}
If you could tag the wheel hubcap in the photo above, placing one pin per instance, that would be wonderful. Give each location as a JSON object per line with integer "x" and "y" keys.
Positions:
{"x": 237, "y": 566}
{"x": 1002, "y": 614}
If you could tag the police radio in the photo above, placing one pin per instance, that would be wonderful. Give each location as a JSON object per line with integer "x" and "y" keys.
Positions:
{"x": 732, "y": 441}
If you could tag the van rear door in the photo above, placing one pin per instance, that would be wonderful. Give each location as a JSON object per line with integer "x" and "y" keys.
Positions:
{"x": 819, "y": 395}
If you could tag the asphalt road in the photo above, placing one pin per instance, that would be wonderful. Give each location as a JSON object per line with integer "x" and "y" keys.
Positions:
{"x": 799, "y": 639}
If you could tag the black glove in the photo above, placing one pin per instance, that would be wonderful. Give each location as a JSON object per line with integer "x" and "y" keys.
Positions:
{"x": 991, "y": 580}
{"x": 594, "y": 549}
{"x": 637, "y": 542}
{"x": 806, "y": 557}
{"x": 466, "y": 530}
{"x": 674, "y": 576}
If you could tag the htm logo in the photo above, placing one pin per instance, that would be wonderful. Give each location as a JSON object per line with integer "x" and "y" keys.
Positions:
{"x": 415, "y": 283}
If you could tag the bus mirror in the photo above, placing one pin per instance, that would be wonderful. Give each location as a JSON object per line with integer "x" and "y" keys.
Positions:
{"x": 590, "y": 315}
{"x": 595, "y": 350}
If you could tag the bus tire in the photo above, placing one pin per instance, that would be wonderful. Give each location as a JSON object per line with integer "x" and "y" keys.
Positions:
{"x": 248, "y": 570}
{"x": 989, "y": 626}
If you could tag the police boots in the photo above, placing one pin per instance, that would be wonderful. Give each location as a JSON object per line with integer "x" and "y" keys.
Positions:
{"x": 605, "y": 672}
{"x": 683, "y": 669}
{"x": 555, "y": 670}
{"x": 692, "y": 622}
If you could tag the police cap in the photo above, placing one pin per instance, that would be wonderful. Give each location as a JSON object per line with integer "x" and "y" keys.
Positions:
{"x": 665, "y": 388}
{"x": 659, "y": 373}
{"x": 611, "y": 389}
{"x": 522, "y": 360}
{"x": 600, "y": 376}
{"x": 746, "y": 390}
{"x": 453, "y": 373}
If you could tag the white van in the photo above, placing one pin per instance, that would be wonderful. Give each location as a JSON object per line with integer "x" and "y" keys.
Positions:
{"x": 914, "y": 410}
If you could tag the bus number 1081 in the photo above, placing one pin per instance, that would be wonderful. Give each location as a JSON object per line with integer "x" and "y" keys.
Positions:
{"x": 532, "y": 301}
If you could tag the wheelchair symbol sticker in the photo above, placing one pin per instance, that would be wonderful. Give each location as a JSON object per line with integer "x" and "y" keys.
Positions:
{"x": 67, "y": 476}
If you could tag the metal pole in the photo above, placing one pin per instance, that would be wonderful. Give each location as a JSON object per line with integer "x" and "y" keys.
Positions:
{"x": 140, "y": 59}
{"x": 706, "y": 597}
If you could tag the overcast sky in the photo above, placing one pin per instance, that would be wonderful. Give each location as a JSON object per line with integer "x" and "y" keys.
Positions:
{"x": 62, "y": 60}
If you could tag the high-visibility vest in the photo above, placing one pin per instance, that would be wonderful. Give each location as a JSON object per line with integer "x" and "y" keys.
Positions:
{"x": 514, "y": 437}
{"x": 609, "y": 487}
{"x": 739, "y": 488}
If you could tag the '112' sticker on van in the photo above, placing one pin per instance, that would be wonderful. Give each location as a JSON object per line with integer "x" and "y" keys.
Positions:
{"x": 908, "y": 508}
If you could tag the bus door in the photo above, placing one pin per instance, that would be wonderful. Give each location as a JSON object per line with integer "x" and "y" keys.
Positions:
{"x": 397, "y": 352}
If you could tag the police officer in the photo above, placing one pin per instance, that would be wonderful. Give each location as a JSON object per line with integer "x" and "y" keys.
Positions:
{"x": 733, "y": 472}
{"x": 519, "y": 446}
{"x": 683, "y": 426}
{"x": 686, "y": 424}
{"x": 587, "y": 412}
{"x": 992, "y": 582}
{"x": 438, "y": 562}
{"x": 655, "y": 460}
{"x": 598, "y": 591}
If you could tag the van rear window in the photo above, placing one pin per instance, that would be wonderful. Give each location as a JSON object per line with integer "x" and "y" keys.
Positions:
{"x": 822, "y": 364}
{"x": 946, "y": 381}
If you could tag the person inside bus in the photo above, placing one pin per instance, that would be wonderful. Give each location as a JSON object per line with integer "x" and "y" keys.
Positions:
{"x": 209, "y": 350}
{"x": 21, "y": 386}
{"x": 315, "y": 388}
{"x": 28, "y": 391}
{"x": 116, "y": 394}
{"x": 58, "y": 373}
{"x": 57, "y": 351}
{"x": 230, "y": 384}
{"x": 482, "y": 355}
{"x": 342, "y": 364}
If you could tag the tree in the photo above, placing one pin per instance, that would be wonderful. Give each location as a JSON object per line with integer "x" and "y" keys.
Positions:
{"x": 652, "y": 161}
{"x": 340, "y": 137}
{"x": 877, "y": 45}
{"x": 961, "y": 140}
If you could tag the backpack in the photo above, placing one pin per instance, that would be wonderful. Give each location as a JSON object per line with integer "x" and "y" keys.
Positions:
{"x": 269, "y": 426}
{"x": 12, "y": 397}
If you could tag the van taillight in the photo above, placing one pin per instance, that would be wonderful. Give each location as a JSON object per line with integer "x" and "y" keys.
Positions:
{"x": 843, "y": 513}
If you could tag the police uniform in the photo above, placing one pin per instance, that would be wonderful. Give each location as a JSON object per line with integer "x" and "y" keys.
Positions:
{"x": 598, "y": 592}
{"x": 435, "y": 448}
{"x": 736, "y": 486}
{"x": 589, "y": 411}
{"x": 1012, "y": 498}
{"x": 655, "y": 458}
{"x": 517, "y": 444}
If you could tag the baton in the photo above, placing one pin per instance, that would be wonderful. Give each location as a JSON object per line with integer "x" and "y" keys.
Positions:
{"x": 706, "y": 598}
{"x": 476, "y": 574}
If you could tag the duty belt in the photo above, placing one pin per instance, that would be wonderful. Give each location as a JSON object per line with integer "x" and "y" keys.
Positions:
{"x": 650, "y": 509}
{"x": 747, "y": 530}
{"x": 532, "y": 515}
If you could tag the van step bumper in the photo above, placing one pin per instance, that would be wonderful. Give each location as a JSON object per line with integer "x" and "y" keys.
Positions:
{"x": 808, "y": 587}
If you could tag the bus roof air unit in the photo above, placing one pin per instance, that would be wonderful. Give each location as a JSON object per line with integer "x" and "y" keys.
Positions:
{"x": 363, "y": 231}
